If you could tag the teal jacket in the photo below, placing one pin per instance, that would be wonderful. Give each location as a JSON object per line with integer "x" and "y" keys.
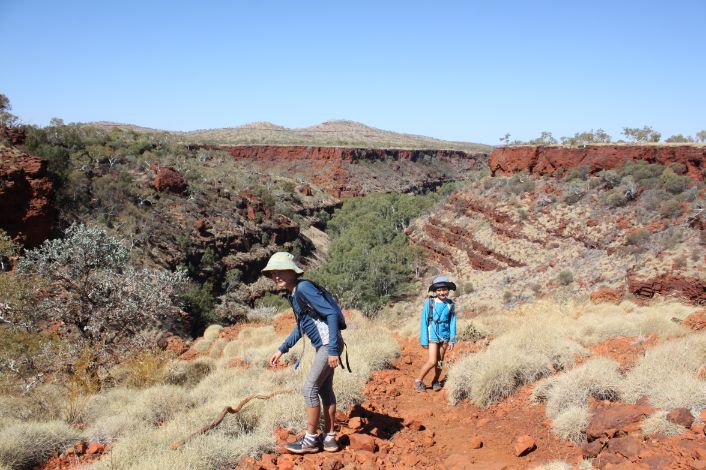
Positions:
{"x": 442, "y": 324}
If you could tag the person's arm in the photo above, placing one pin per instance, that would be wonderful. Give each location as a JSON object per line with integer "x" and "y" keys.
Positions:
{"x": 328, "y": 312}
{"x": 452, "y": 325}
{"x": 423, "y": 327}
{"x": 291, "y": 340}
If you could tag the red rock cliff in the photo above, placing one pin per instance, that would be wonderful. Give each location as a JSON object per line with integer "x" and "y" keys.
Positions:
{"x": 25, "y": 195}
{"x": 541, "y": 160}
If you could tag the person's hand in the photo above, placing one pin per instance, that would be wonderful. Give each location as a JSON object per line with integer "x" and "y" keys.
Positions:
{"x": 451, "y": 346}
{"x": 275, "y": 357}
{"x": 333, "y": 361}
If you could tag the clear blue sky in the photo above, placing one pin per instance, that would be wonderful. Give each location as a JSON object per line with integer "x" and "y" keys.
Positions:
{"x": 454, "y": 70}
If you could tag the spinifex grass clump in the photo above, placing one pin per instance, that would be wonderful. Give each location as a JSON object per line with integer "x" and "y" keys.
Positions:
{"x": 515, "y": 358}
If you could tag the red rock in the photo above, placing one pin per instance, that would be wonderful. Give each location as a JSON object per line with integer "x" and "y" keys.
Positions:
{"x": 681, "y": 416}
{"x": 355, "y": 423}
{"x": 608, "y": 421}
{"x": 591, "y": 449}
{"x": 362, "y": 442}
{"x": 80, "y": 448}
{"x": 415, "y": 425}
{"x": 26, "y": 192}
{"x": 331, "y": 463}
{"x": 95, "y": 448}
{"x": 702, "y": 416}
{"x": 363, "y": 456}
{"x": 691, "y": 288}
{"x": 605, "y": 459}
{"x": 696, "y": 321}
{"x": 482, "y": 422}
{"x": 543, "y": 160}
{"x": 168, "y": 179}
{"x": 524, "y": 445}
{"x": 606, "y": 295}
{"x": 657, "y": 462}
{"x": 476, "y": 442}
{"x": 410, "y": 460}
{"x": 697, "y": 427}
{"x": 628, "y": 447}
{"x": 285, "y": 465}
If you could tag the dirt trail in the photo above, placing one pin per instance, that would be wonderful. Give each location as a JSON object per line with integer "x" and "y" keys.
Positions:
{"x": 397, "y": 427}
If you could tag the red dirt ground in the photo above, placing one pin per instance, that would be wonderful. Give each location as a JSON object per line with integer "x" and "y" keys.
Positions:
{"x": 422, "y": 430}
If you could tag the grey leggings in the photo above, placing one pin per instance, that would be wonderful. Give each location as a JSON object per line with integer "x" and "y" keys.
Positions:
{"x": 320, "y": 381}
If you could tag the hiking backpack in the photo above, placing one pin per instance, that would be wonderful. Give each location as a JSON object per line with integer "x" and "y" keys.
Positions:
{"x": 309, "y": 310}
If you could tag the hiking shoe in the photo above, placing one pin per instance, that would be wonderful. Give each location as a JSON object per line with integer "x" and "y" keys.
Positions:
{"x": 436, "y": 386}
{"x": 419, "y": 386}
{"x": 305, "y": 445}
{"x": 331, "y": 444}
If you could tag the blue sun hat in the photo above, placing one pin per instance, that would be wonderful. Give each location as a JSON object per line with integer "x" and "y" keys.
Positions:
{"x": 282, "y": 261}
{"x": 441, "y": 281}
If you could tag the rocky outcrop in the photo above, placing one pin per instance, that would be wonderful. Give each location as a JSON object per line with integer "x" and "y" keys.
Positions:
{"x": 168, "y": 179}
{"x": 691, "y": 288}
{"x": 548, "y": 160}
{"x": 26, "y": 192}
{"x": 14, "y": 135}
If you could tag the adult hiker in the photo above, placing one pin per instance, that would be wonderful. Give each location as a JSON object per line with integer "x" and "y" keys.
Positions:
{"x": 437, "y": 330}
{"x": 321, "y": 321}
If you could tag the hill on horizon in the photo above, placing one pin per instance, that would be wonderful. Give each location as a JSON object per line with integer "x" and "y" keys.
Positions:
{"x": 337, "y": 133}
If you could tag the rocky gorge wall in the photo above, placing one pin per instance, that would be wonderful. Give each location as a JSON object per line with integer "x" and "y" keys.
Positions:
{"x": 548, "y": 160}
{"x": 346, "y": 172}
{"x": 26, "y": 192}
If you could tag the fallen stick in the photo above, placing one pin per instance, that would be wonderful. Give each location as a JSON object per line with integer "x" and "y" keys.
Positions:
{"x": 228, "y": 409}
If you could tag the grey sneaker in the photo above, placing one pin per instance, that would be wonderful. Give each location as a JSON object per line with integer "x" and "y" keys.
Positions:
{"x": 419, "y": 386}
{"x": 436, "y": 386}
{"x": 305, "y": 445}
{"x": 331, "y": 444}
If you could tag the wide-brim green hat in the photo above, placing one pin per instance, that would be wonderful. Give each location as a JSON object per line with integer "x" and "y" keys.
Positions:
{"x": 282, "y": 261}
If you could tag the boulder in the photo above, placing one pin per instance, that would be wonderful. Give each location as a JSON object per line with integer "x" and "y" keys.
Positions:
{"x": 476, "y": 442}
{"x": 524, "y": 445}
{"x": 681, "y": 416}
{"x": 362, "y": 442}
{"x": 609, "y": 421}
{"x": 167, "y": 179}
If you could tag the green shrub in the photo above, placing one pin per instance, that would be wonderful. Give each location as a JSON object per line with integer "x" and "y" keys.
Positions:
{"x": 670, "y": 209}
{"x": 616, "y": 198}
{"x": 565, "y": 278}
{"x": 578, "y": 173}
{"x": 275, "y": 301}
{"x": 369, "y": 257}
{"x": 673, "y": 182}
{"x": 471, "y": 333}
{"x": 638, "y": 237}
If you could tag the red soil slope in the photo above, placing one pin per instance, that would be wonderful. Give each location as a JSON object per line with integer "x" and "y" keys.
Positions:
{"x": 543, "y": 160}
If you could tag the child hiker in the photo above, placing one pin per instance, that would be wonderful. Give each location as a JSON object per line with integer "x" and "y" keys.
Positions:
{"x": 319, "y": 320}
{"x": 437, "y": 330}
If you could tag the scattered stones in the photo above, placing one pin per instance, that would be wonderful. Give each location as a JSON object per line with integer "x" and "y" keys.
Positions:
{"x": 95, "y": 448}
{"x": 696, "y": 321}
{"x": 524, "y": 445}
{"x": 681, "y": 416}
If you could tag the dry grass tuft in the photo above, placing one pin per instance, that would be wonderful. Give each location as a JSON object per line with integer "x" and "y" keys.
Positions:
{"x": 667, "y": 375}
{"x": 554, "y": 465}
{"x": 571, "y": 423}
{"x": 188, "y": 373}
{"x": 659, "y": 424}
{"x": 212, "y": 332}
{"x": 26, "y": 445}
{"x": 515, "y": 358}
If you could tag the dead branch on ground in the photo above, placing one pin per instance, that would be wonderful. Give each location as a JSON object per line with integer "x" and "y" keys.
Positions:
{"x": 228, "y": 409}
